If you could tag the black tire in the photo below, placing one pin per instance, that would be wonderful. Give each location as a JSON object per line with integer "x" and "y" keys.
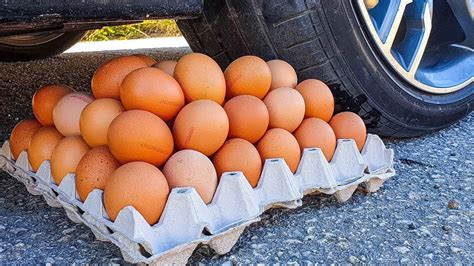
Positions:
{"x": 323, "y": 39}
{"x": 33, "y": 49}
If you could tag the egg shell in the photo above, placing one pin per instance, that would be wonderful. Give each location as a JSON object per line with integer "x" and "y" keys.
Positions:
{"x": 318, "y": 99}
{"x": 67, "y": 113}
{"x": 136, "y": 184}
{"x": 248, "y": 75}
{"x": 369, "y": 4}
{"x": 146, "y": 58}
{"x": 201, "y": 125}
{"x": 283, "y": 74}
{"x": 108, "y": 77}
{"x": 248, "y": 117}
{"x": 190, "y": 168}
{"x": 167, "y": 66}
{"x": 93, "y": 170}
{"x": 279, "y": 143}
{"x": 239, "y": 155}
{"x": 316, "y": 133}
{"x": 286, "y": 108}
{"x": 66, "y": 155}
{"x": 138, "y": 135}
{"x": 42, "y": 145}
{"x": 21, "y": 136}
{"x": 348, "y": 125}
{"x": 45, "y": 99}
{"x": 200, "y": 77}
{"x": 96, "y": 118}
{"x": 152, "y": 90}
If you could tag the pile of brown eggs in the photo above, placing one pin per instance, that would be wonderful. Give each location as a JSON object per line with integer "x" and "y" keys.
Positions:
{"x": 149, "y": 127}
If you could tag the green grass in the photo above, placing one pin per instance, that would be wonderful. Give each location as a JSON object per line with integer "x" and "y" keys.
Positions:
{"x": 146, "y": 29}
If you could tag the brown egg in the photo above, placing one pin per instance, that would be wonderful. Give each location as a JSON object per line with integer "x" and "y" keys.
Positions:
{"x": 201, "y": 125}
{"x": 140, "y": 185}
{"x": 108, "y": 77}
{"x": 239, "y": 155}
{"x": 248, "y": 117}
{"x": 285, "y": 107}
{"x": 93, "y": 170}
{"x": 190, "y": 168}
{"x": 318, "y": 99}
{"x": 200, "y": 77}
{"x": 348, "y": 125}
{"x": 146, "y": 58}
{"x": 66, "y": 155}
{"x": 67, "y": 112}
{"x": 44, "y": 101}
{"x": 140, "y": 136}
{"x": 96, "y": 118}
{"x": 369, "y": 4}
{"x": 283, "y": 74}
{"x": 316, "y": 133}
{"x": 167, "y": 66}
{"x": 279, "y": 143}
{"x": 248, "y": 75}
{"x": 152, "y": 90}
{"x": 21, "y": 136}
{"x": 41, "y": 146}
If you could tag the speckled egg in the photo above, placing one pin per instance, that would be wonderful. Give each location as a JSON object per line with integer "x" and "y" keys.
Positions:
{"x": 21, "y": 136}
{"x": 190, "y": 168}
{"x": 93, "y": 170}
{"x": 140, "y": 185}
{"x": 108, "y": 77}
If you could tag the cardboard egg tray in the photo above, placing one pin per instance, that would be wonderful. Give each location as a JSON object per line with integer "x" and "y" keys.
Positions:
{"x": 187, "y": 221}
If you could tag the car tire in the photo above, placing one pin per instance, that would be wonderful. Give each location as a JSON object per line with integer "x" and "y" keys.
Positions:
{"x": 324, "y": 39}
{"x": 41, "y": 45}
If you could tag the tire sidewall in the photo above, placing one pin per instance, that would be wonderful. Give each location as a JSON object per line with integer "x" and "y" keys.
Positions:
{"x": 384, "y": 88}
{"x": 44, "y": 50}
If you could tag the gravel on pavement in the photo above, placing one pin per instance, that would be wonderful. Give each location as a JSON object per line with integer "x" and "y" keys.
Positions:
{"x": 422, "y": 215}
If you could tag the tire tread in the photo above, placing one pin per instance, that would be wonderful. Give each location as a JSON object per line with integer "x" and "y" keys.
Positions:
{"x": 323, "y": 63}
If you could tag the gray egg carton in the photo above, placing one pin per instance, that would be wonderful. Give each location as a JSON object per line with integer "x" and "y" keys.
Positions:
{"x": 187, "y": 221}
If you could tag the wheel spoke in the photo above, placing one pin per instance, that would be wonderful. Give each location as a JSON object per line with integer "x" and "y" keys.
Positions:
{"x": 410, "y": 50}
{"x": 395, "y": 25}
{"x": 387, "y": 16}
{"x": 464, "y": 12}
{"x": 427, "y": 15}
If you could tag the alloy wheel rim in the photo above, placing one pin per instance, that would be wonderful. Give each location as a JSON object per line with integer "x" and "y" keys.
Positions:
{"x": 409, "y": 34}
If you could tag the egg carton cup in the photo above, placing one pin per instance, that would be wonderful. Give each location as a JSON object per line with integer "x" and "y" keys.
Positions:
{"x": 187, "y": 221}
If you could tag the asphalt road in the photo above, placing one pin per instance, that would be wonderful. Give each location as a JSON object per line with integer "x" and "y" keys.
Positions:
{"x": 423, "y": 215}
